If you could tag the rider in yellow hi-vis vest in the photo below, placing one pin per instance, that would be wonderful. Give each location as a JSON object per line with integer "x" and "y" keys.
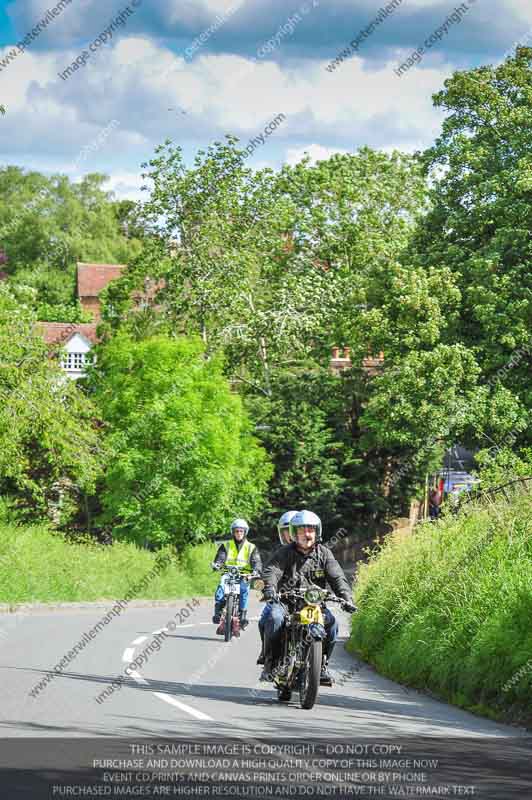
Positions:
{"x": 236, "y": 552}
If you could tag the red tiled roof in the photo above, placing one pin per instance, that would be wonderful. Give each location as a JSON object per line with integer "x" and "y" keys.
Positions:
{"x": 92, "y": 278}
{"x": 62, "y": 332}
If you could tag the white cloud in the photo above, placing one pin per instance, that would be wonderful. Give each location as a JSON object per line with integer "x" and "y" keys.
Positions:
{"x": 126, "y": 186}
{"x": 136, "y": 81}
{"x": 317, "y": 152}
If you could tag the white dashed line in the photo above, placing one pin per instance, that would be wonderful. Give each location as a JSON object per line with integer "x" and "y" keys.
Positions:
{"x": 127, "y": 658}
{"x": 138, "y": 677}
{"x": 183, "y": 707}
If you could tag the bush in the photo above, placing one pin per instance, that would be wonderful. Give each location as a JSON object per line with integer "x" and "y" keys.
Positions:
{"x": 38, "y": 565}
{"x": 183, "y": 458}
{"x": 448, "y": 608}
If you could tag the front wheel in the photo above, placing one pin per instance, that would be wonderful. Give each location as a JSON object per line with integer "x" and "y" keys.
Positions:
{"x": 310, "y": 675}
{"x": 229, "y": 618}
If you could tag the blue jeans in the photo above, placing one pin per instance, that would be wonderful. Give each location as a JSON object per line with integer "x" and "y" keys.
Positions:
{"x": 244, "y": 593}
{"x": 274, "y": 621}
{"x": 266, "y": 612}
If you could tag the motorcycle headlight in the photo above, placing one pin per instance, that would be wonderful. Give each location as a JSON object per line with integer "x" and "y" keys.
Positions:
{"x": 313, "y": 596}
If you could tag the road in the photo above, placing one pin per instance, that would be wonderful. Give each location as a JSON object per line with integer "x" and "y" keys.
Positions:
{"x": 200, "y": 687}
{"x": 215, "y": 684}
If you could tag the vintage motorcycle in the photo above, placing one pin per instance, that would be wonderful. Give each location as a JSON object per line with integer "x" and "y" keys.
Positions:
{"x": 299, "y": 665}
{"x": 229, "y": 624}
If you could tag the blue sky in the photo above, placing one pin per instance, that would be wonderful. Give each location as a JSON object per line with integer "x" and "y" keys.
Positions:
{"x": 258, "y": 59}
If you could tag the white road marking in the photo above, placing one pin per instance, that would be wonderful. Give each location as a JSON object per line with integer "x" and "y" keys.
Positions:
{"x": 173, "y": 702}
{"x": 127, "y": 658}
{"x": 138, "y": 677}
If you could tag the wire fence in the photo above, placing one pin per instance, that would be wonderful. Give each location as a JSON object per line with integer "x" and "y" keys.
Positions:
{"x": 487, "y": 496}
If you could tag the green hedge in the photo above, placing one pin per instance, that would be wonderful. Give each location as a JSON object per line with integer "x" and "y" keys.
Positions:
{"x": 37, "y": 565}
{"x": 448, "y": 608}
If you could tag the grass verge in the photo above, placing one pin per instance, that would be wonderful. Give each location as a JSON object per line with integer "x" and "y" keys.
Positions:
{"x": 38, "y": 565}
{"x": 448, "y": 609}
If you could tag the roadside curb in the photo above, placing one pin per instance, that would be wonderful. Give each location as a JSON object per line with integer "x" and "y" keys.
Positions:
{"x": 12, "y": 608}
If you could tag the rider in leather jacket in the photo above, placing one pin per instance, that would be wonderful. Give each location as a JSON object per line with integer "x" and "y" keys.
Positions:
{"x": 304, "y": 560}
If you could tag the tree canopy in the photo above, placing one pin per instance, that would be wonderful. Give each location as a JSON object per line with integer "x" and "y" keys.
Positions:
{"x": 183, "y": 459}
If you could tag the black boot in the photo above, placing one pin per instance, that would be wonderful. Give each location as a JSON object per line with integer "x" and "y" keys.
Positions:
{"x": 244, "y": 622}
{"x": 260, "y": 659}
{"x": 269, "y": 659}
{"x": 218, "y": 608}
{"x": 326, "y": 678}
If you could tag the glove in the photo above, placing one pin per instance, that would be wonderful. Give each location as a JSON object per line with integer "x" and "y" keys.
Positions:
{"x": 268, "y": 594}
{"x": 349, "y": 606}
{"x": 215, "y": 566}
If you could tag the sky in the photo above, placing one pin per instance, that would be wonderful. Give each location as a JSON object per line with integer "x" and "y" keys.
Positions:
{"x": 143, "y": 75}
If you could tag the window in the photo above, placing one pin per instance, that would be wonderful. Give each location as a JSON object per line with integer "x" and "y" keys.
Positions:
{"x": 73, "y": 362}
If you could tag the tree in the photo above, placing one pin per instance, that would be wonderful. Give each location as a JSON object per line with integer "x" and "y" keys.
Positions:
{"x": 480, "y": 225}
{"x": 47, "y": 224}
{"x": 183, "y": 459}
{"x": 272, "y": 268}
{"x": 47, "y": 435}
{"x": 307, "y": 456}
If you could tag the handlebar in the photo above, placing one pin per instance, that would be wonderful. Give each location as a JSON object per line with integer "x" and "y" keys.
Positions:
{"x": 327, "y": 597}
{"x": 235, "y": 571}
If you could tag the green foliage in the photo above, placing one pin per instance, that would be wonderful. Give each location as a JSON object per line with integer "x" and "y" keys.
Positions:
{"x": 271, "y": 268}
{"x": 63, "y": 312}
{"x": 38, "y": 565}
{"x": 46, "y": 430}
{"x": 447, "y": 608}
{"x": 479, "y": 226}
{"x": 183, "y": 460}
{"x": 307, "y": 458}
{"x": 498, "y": 466}
{"x": 47, "y": 224}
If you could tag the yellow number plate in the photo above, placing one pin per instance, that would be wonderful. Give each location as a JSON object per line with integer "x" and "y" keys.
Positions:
{"x": 310, "y": 614}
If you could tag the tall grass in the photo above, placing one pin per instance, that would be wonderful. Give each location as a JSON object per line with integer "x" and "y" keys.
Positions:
{"x": 449, "y": 608}
{"x": 37, "y": 565}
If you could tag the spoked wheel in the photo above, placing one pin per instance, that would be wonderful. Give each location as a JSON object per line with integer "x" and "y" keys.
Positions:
{"x": 310, "y": 676}
{"x": 229, "y": 618}
{"x": 284, "y": 695}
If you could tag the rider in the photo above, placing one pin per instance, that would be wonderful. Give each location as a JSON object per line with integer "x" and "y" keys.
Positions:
{"x": 304, "y": 560}
{"x": 283, "y": 530}
{"x": 237, "y": 552}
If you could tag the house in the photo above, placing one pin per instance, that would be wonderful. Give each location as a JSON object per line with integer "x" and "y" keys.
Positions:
{"x": 77, "y": 339}
{"x": 91, "y": 280}
{"x": 341, "y": 360}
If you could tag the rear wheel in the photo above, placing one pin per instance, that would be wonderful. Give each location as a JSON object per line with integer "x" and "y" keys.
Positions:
{"x": 310, "y": 676}
{"x": 229, "y": 617}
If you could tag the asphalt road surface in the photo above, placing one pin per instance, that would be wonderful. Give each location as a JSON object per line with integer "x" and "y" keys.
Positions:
{"x": 194, "y": 685}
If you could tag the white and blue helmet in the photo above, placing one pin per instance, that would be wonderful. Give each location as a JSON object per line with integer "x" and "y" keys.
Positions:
{"x": 240, "y": 523}
{"x": 284, "y": 522}
{"x": 305, "y": 518}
